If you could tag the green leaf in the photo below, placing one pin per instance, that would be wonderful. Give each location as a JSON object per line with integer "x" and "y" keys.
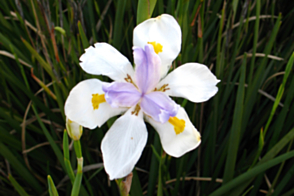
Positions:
{"x": 119, "y": 23}
{"x": 17, "y": 187}
{"x": 85, "y": 41}
{"x": 52, "y": 188}
{"x": 235, "y": 133}
{"x": 267, "y": 157}
{"x": 252, "y": 173}
{"x": 54, "y": 146}
{"x": 67, "y": 163}
{"x": 145, "y": 10}
{"x": 20, "y": 168}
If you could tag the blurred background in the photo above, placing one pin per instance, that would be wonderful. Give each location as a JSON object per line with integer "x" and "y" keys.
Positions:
{"x": 247, "y": 128}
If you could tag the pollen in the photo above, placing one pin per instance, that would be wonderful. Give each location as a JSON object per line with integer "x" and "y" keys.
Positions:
{"x": 163, "y": 88}
{"x": 130, "y": 80}
{"x": 157, "y": 47}
{"x": 137, "y": 110}
{"x": 96, "y": 100}
{"x": 179, "y": 124}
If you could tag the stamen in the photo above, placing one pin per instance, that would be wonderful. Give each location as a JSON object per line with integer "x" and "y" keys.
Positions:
{"x": 130, "y": 80}
{"x": 137, "y": 110}
{"x": 157, "y": 47}
{"x": 179, "y": 124}
{"x": 97, "y": 99}
{"x": 163, "y": 88}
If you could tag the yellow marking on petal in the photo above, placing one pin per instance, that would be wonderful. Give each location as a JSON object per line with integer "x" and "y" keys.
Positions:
{"x": 199, "y": 138}
{"x": 157, "y": 47}
{"x": 137, "y": 110}
{"x": 97, "y": 99}
{"x": 179, "y": 124}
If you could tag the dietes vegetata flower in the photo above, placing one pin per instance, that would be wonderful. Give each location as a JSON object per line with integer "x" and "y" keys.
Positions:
{"x": 140, "y": 94}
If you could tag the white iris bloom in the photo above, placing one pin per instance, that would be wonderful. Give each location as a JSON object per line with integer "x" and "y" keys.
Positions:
{"x": 140, "y": 94}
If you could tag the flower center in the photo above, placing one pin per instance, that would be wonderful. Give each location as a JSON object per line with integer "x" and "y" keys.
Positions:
{"x": 157, "y": 47}
{"x": 179, "y": 124}
{"x": 96, "y": 100}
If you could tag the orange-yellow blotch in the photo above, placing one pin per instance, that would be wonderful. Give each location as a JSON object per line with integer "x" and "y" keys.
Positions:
{"x": 179, "y": 124}
{"x": 96, "y": 100}
{"x": 157, "y": 47}
{"x": 199, "y": 138}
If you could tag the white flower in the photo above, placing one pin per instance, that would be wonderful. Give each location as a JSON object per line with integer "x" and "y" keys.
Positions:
{"x": 143, "y": 92}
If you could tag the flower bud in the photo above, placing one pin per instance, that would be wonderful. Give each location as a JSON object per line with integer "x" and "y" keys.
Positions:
{"x": 74, "y": 130}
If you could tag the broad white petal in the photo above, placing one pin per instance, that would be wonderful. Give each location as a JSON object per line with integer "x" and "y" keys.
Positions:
{"x": 123, "y": 144}
{"x": 79, "y": 107}
{"x": 192, "y": 81}
{"x": 164, "y": 30}
{"x": 174, "y": 144}
{"x": 104, "y": 59}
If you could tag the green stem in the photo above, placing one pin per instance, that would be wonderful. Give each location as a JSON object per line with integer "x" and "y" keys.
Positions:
{"x": 124, "y": 184}
{"x": 78, "y": 149}
{"x": 77, "y": 184}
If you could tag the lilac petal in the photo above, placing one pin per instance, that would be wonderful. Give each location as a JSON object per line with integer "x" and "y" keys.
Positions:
{"x": 121, "y": 94}
{"x": 159, "y": 106}
{"x": 147, "y": 68}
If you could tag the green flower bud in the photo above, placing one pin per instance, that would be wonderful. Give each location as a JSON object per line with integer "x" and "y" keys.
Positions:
{"x": 74, "y": 130}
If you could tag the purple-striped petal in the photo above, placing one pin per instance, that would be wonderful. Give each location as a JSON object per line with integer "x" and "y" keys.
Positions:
{"x": 147, "y": 68}
{"x": 159, "y": 106}
{"x": 121, "y": 94}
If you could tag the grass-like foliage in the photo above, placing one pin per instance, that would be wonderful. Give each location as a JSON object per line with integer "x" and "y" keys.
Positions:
{"x": 247, "y": 128}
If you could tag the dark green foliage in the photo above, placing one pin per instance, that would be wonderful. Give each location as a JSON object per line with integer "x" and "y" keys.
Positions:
{"x": 247, "y": 44}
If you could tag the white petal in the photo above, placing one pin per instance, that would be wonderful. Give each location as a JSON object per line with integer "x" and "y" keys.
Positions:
{"x": 103, "y": 59}
{"x": 164, "y": 30}
{"x": 123, "y": 144}
{"x": 192, "y": 81}
{"x": 177, "y": 144}
{"x": 79, "y": 108}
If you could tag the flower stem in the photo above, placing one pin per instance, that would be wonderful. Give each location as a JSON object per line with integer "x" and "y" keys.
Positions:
{"x": 124, "y": 185}
{"x": 78, "y": 149}
{"x": 77, "y": 184}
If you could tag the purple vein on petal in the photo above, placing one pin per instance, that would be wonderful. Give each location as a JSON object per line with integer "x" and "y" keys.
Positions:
{"x": 159, "y": 106}
{"x": 121, "y": 94}
{"x": 147, "y": 68}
